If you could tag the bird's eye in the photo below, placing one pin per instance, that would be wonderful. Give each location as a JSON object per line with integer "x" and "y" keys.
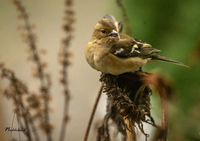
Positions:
{"x": 103, "y": 31}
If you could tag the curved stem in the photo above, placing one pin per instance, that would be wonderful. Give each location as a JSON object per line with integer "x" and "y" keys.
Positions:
{"x": 93, "y": 112}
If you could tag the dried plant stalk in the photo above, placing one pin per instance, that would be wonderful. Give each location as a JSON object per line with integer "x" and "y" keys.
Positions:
{"x": 26, "y": 120}
{"x": 129, "y": 94}
{"x": 131, "y": 135}
{"x": 2, "y": 135}
{"x": 165, "y": 89}
{"x": 16, "y": 90}
{"x": 93, "y": 113}
{"x": 43, "y": 77}
{"x": 64, "y": 55}
{"x": 131, "y": 98}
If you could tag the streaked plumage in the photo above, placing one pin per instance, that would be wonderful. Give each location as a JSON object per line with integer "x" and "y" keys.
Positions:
{"x": 110, "y": 51}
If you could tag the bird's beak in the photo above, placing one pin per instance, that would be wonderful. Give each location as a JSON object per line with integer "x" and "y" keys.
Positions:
{"x": 114, "y": 34}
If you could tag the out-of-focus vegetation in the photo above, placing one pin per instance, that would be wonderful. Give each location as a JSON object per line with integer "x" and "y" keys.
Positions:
{"x": 173, "y": 27}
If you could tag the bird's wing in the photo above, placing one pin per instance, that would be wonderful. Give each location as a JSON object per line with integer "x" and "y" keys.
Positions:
{"x": 144, "y": 49}
{"x": 130, "y": 47}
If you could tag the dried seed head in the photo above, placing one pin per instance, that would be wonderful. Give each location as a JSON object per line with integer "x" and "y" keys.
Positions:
{"x": 69, "y": 3}
{"x": 43, "y": 51}
{"x": 70, "y": 11}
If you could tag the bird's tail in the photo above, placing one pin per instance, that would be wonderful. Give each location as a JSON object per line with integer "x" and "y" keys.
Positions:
{"x": 161, "y": 58}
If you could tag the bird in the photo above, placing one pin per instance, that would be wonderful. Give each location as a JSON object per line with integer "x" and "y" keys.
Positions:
{"x": 112, "y": 52}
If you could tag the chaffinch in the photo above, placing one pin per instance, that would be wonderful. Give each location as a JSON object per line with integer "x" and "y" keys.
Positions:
{"x": 110, "y": 51}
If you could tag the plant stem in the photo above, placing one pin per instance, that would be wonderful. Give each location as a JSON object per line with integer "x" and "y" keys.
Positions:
{"x": 93, "y": 112}
{"x": 164, "y": 122}
{"x": 130, "y": 131}
{"x": 65, "y": 117}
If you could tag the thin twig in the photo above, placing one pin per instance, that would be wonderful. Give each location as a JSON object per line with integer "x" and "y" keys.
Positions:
{"x": 125, "y": 17}
{"x": 130, "y": 131}
{"x": 164, "y": 106}
{"x": 93, "y": 112}
{"x": 24, "y": 111}
{"x": 64, "y": 55}
{"x": 33, "y": 128}
{"x": 164, "y": 122}
{"x": 44, "y": 87}
{"x": 165, "y": 90}
{"x": 17, "y": 97}
{"x": 65, "y": 118}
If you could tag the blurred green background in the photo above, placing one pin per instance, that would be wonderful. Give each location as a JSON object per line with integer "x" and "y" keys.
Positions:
{"x": 172, "y": 26}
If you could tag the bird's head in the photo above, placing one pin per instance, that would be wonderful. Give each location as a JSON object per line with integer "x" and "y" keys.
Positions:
{"x": 105, "y": 30}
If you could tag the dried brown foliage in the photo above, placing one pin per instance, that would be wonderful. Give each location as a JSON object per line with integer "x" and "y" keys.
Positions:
{"x": 129, "y": 100}
{"x": 16, "y": 91}
{"x": 31, "y": 107}
{"x": 38, "y": 69}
